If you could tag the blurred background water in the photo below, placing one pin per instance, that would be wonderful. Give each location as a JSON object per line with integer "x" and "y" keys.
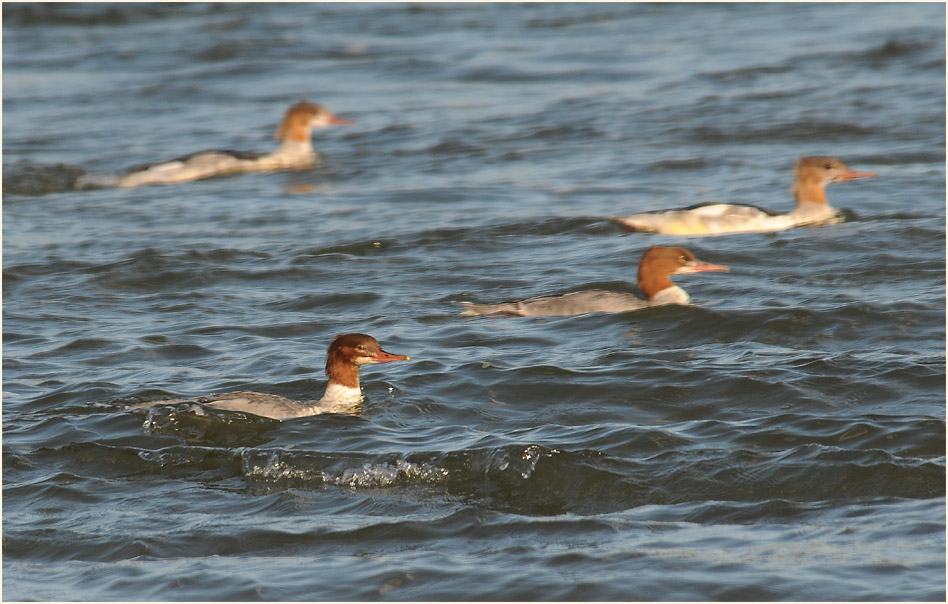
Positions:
{"x": 783, "y": 439}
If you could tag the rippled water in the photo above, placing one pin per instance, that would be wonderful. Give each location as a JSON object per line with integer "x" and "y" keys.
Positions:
{"x": 783, "y": 439}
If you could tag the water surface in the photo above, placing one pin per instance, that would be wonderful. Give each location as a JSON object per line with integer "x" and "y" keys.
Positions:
{"x": 783, "y": 439}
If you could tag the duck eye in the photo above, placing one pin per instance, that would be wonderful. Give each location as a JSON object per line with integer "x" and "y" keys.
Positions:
{"x": 683, "y": 258}
{"x": 360, "y": 348}
{"x": 828, "y": 166}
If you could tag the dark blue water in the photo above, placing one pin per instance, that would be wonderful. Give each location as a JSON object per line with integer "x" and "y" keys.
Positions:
{"x": 783, "y": 439}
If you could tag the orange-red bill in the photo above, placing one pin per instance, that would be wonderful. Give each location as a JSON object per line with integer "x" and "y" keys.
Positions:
{"x": 335, "y": 119}
{"x": 707, "y": 266}
{"x": 385, "y": 357}
{"x": 851, "y": 174}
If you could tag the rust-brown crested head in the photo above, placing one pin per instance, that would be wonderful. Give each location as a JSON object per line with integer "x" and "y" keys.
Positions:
{"x": 348, "y": 351}
{"x": 822, "y": 170}
{"x": 659, "y": 263}
{"x": 302, "y": 117}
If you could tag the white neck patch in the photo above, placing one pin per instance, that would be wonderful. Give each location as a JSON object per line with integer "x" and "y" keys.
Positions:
{"x": 670, "y": 295}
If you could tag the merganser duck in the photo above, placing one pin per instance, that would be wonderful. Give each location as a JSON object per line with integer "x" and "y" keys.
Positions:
{"x": 809, "y": 188}
{"x": 296, "y": 153}
{"x": 655, "y": 270}
{"x": 343, "y": 394}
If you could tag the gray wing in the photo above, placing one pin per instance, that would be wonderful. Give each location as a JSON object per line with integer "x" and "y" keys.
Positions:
{"x": 257, "y": 403}
{"x": 577, "y": 303}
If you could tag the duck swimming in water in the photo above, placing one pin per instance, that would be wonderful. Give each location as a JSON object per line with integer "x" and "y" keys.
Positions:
{"x": 295, "y": 153}
{"x": 343, "y": 393}
{"x": 655, "y": 270}
{"x": 813, "y": 174}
